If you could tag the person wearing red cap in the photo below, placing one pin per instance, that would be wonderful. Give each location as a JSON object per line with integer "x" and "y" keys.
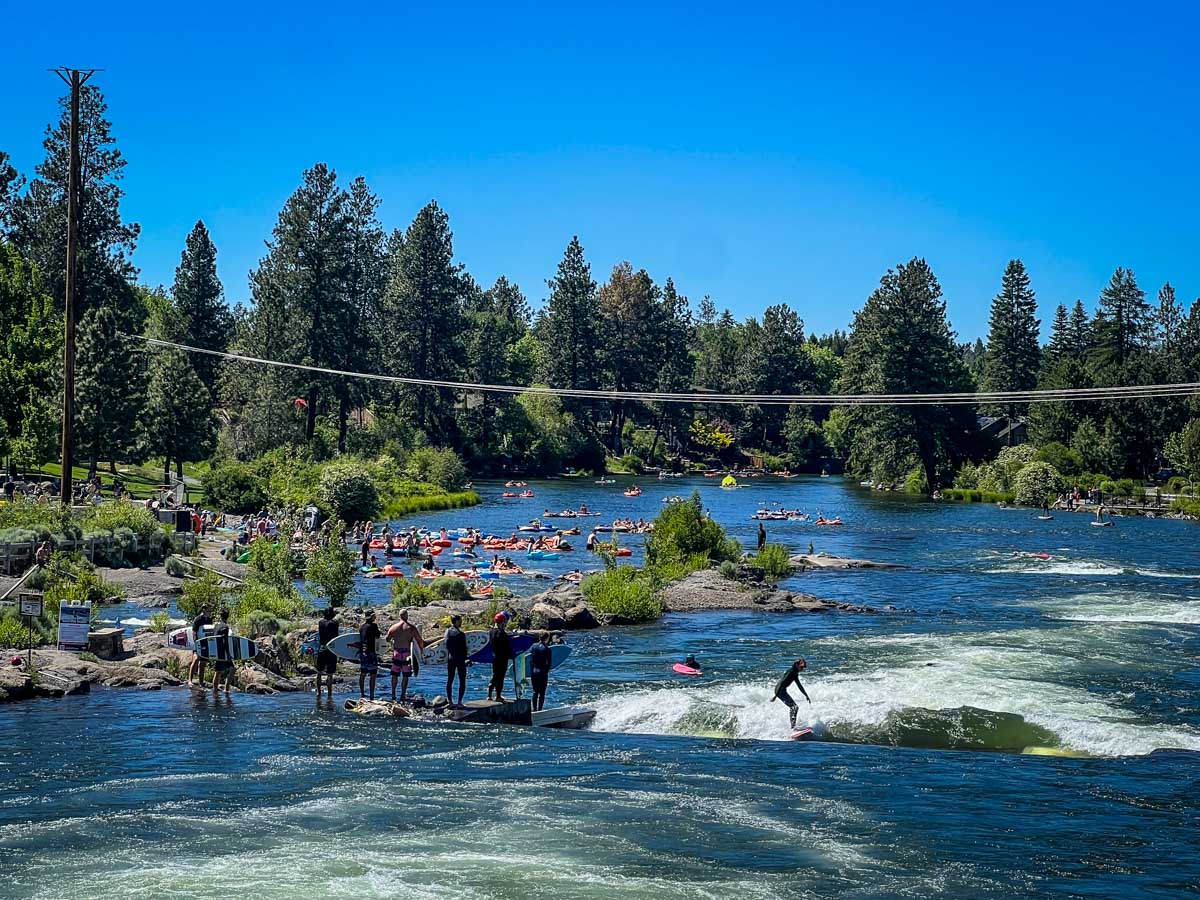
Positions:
{"x": 501, "y": 656}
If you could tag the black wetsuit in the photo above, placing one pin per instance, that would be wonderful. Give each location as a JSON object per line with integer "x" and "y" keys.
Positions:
{"x": 501, "y": 656}
{"x": 539, "y": 672}
{"x": 368, "y": 640}
{"x": 327, "y": 630}
{"x": 199, "y": 623}
{"x": 222, "y": 663}
{"x": 456, "y": 661}
{"x": 790, "y": 677}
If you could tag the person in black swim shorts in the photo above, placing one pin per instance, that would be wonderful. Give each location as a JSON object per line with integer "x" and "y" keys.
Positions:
{"x": 368, "y": 659}
{"x": 327, "y": 630}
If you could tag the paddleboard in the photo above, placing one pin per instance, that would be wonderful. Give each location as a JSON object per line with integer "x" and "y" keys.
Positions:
{"x": 435, "y": 653}
{"x": 686, "y": 670}
{"x": 1044, "y": 518}
{"x": 1101, "y": 524}
{"x": 520, "y": 643}
{"x": 228, "y": 647}
{"x": 803, "y": 734}
{"x": 181, "y": 638}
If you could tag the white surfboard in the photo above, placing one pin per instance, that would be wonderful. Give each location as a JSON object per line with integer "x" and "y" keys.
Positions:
{"x": 435, "y": 653}
{"x": 181, "y": 638}
{"x": 230, "y": 646}
{"x": 347, "y": 646}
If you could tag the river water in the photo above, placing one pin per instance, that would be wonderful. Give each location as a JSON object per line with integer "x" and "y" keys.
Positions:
{"x": 691, "y": 788}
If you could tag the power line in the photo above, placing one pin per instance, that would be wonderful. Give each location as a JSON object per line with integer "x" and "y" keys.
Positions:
{"x": 928, "y": 399}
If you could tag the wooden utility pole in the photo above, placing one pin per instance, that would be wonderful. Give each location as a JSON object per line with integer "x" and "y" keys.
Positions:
{"x": 75, "y": 79}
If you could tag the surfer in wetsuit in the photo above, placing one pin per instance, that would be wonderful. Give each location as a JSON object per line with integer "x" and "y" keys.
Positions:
{"x": 327, "y": 630}
{"x": 199, "y": 623}
{"x": 762, "y": 537}
{"x": 368, "y": 659}
{"x": 402, "y": 636}
{"x": 792, "y": 676}
{"x": 455, "y": 643}
{"x": 501, "y": 656}
{"x": 539, "y": 670}
{"x": 222, "y": 665}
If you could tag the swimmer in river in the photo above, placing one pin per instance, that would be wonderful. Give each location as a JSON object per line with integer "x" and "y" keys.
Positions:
{"x": 792, "y": 676}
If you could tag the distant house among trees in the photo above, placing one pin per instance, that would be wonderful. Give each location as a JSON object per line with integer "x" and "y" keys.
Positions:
{"x": 1002, "y": 430}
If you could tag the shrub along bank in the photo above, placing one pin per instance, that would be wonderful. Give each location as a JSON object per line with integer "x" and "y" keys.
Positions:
{"x": 349, "y": 488}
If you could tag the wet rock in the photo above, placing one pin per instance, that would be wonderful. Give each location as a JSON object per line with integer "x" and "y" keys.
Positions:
{"x": 829, "y": 561}
{"x": 579, "y": 617}
{"x": 544, "y": 616}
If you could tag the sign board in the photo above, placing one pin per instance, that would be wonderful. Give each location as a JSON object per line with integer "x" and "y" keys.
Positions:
{"x": 74, "y": 622}
{"x": 29, "y": 604}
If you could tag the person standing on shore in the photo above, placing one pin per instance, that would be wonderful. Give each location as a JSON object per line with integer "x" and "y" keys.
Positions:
{"x": 501, "y": 656}
{"x": 539, "y": 670}
{"x": 199, "y": 623}
{"x": 456, "y": 659}
{"x": 762, "y": 537}
{"x": 327, "y": 630}
{"x": 402, "y": 636}
{"x": 368, "y": 659}
{"x": 222, "y": 665}
{"x": 790, "y": 677}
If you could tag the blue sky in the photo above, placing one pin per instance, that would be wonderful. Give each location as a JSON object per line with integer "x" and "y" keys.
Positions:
{"x": 776, "y": 153}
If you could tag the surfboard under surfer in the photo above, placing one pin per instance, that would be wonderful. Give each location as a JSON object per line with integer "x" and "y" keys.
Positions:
{"x": 790, "y": 677}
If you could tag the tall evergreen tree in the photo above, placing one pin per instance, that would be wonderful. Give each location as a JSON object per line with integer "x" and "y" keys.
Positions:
{"x": 10, "y": 188}
{"x": 1123, "y": 320}
{"x": 632, "y": 352}
{"x": 106, "y": 242}
{"x": 567, "y": 324}
{"x": 424, "y": 308}
{"x": 179, "y": 419}
{"x": 1013, "y": 350}
{"x": 199, "y": 298}
{"x": 110, "y": 391}
{"x": 300, "y": 289}
{"x": 1079, "y": 330}
{"x": 901, "y": 343}
{"x": 1060, "y": 337}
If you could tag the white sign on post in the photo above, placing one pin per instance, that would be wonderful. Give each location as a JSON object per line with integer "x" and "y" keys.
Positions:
{"x": 74, "y": 622}
{"x": 30, "y": 604}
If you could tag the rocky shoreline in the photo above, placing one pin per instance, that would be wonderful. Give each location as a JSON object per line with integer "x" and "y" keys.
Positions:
{"x": 148, "y": 664}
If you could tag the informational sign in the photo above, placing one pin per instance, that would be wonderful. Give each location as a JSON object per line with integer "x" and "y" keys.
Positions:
{"x": 74, "y": 622}
{"x": 29, "y": 604}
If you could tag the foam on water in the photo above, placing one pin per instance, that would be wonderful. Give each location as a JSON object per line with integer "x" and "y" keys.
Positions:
{"x": 1125, "y": 606}
{"x": 1026, "y": 564}
{"x": 1004, "y": 672}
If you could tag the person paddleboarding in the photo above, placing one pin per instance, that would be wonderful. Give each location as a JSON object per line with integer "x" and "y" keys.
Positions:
{"x": 790, "y": 677}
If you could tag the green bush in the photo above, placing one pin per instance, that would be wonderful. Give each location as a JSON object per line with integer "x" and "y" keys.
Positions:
{"x": 15, "y": 635}
{"x": 275, "y": 563}
{"x": 1063, "y": 458}
{"x": 967, "y": 477}
{"x": 1179, "y": 485}
{"x": 438, "y": 466}
{"x": 330, "y": 573}
{"x": 774, "y": 560}
{"x": 259, "y": 623}
{"x": 235, "y": 487}
{"x": 175, "y": 567}
{"x": 398, "y": 506}
{"x": 976, "y": 496}
{"x": 72, "y": 578}
{"x": 160, "y": 622}
{"x": 916, "y": 482}
{"x": 41, "y": 517}
{"x": 207, "y": 590}
{"x": 347, "y": 491}
{"x": 1125, "y": 487}
{"x": 116, "y": 516}
{"x": 683, "y": 535}
{"x": 257, "y": 596}
{"x": 407, "y": 593}
{"x": 728, "y": 570}
{"x": 1186, "y": 507}
{"x": 1036, "y": 483}
{"x": 1108, "y": 487}
{"x": 624, "y": 592}
{"x": 449, "y": 589}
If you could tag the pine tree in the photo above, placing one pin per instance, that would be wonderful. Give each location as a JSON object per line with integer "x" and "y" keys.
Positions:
{"x": 300, "y": 290}
{"x": 109, "y": 391}
{"x": 1170, "y": 321}
{"x": 106, "y": 242}
{"x": 901, "y": 343}
{"x": 1079, "y": 331}
{"x": 1013, "y": 350}
{"x": 199, "y": 298}
{"x": 1060, "y": 337}
{"x": 179, "y": 412}
{"x": 631, "y": 354}
{"x": 10, "y": 188}
{"x": 567, "y": 324}
{"x": 1123, "y": 321}
{"x": 424, "y": 309}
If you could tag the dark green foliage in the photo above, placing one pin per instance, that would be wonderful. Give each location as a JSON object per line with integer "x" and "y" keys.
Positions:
{"x": 179, "y": 419}
{"x": 623, "y": 592}
{"x": 682, "y": 532}
{"x": 234, "y": 487}
{"x": 348, "y": 491}
{"x": 901, "y": 343}
{"x": 1013, "y": 349}
{"x": 110, "y": 390}
{"x": 567, "y": 324}
{"x": 330, "y": 572}
{"x": 199, "y": 297}
{"x": 774, "y": 560}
